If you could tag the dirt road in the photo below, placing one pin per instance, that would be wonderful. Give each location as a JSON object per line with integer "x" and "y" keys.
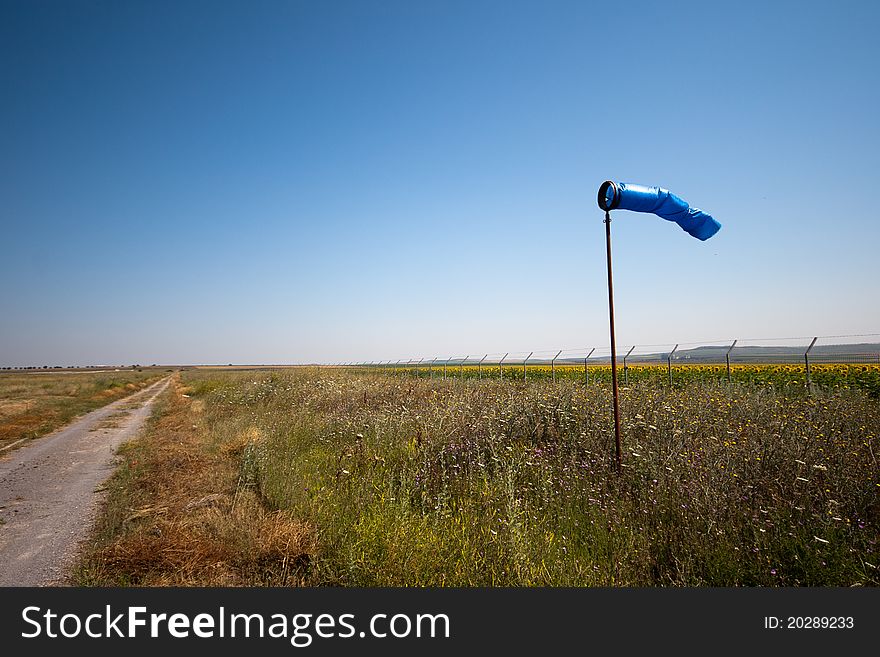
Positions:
{"x": 48, "y": 495}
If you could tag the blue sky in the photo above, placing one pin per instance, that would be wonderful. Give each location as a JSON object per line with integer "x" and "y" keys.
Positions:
{"x": 269, "y": 182}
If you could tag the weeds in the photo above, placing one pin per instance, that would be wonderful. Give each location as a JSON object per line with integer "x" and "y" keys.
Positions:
{"x": 422, "y": 482}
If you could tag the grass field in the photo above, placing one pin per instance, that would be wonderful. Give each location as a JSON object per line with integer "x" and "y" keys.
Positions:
{"x": 33, "y": 404}
{"x": 316, "y": 476}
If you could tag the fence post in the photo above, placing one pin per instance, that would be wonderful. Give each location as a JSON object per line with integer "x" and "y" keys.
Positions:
{"x": 727, "y": 359}
{"x": 625, "y": 369}
{"x": 419, "y": 364}
{"x": 501, "y": 365}
{"x": 480, "y": 367}
{"x": 397, "y": 368}
{"x": 431, "y": 368}
{"x": 553, "y": 365}
{"x": 445, "y": 363}
{"x": 669, "y": 363}
{"x": 461, "y": 367}
{"x": 524, "y": 364}
{"x": 586, "y": 372}
{"x": 807, "y": 362}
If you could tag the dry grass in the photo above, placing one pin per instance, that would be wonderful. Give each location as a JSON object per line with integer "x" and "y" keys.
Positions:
{"x": 176, "y": 515}
{"x": 34, "y": 404}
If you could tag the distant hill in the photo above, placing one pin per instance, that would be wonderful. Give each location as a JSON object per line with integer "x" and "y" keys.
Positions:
{"x": 864, "y": 352}
{"x": 845, "y": 353}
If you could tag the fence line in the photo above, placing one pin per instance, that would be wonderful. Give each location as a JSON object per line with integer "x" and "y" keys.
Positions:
{"x": 854, "y": 349}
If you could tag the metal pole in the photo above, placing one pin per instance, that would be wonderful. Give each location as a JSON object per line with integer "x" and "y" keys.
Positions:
{"x": 586, "y": 372}
{"x": 669, "y": 363}
{"x": 501, "y": 365}
{"x": 727, "y": 359}
{"x": 445, "y": 363}
{"x": 614, "y": 391}
{"x": 480, "y": 367}
{"x": 625, "y": 369}
{"x": 807, "y": 361}
{"x": 431, "y": 369}
{"x": 553, "y": 365}
{"x": 397, "y": 367}
{"x": 461, "y": 367}
{"x": 524, "y": 364}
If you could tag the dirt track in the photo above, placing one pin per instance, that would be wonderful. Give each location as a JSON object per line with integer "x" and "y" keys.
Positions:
{"x": 48, "y": 494}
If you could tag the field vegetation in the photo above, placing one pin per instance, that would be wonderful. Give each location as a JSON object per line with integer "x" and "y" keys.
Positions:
{"x": 829, "y": 376}
{"x": 355, "y": 478}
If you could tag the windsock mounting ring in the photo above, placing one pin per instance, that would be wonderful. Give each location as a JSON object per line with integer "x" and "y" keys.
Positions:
{"x": 609, "y": 196}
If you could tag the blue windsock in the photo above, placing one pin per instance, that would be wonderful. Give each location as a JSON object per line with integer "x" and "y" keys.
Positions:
{"x": 659, "y": 201}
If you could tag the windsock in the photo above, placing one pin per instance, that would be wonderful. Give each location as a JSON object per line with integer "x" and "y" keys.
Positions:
{"x": 659, "y": 201}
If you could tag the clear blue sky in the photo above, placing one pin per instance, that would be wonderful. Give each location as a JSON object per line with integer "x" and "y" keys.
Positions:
{"x": 210, "y": 182}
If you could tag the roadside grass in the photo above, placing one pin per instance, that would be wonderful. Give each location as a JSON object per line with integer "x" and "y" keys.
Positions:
{"x": 35, "y": 404}
{"x": 323, "y": 477}
{"x": 175, "y": 514}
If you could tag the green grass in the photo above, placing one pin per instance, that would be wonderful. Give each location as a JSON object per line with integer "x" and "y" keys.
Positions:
{"x": 411, "y": 481}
